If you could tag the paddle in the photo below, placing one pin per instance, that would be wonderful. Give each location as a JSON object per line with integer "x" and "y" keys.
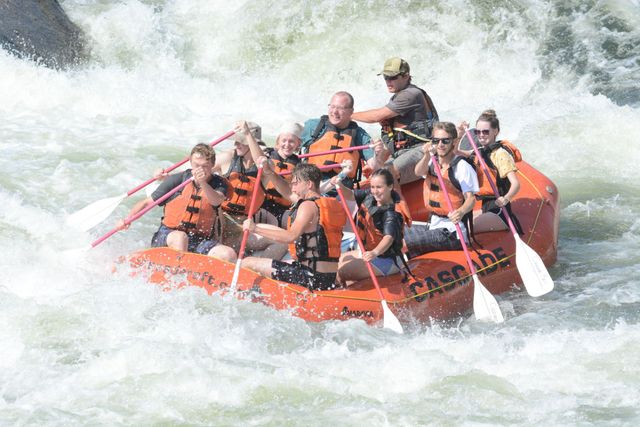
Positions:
{"x": 245, "y": 233}
{"x": 93, "y": 214}
{"x": 485, "y": 306}
{"x": 535, "y": 276}
{"x": 390, "y": 320}
{"x": 134, "y": 217}
{"x": 339, "y": 150}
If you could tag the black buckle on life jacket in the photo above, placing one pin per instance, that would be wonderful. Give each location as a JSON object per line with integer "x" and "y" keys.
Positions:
{"x": 196, "y": 197}
{"x": 193, "y": 209}
{"x": 282, "y": 165}
{"x": 434, "y": 204}
{"x": 434, "y": 187}
{"x": 339, "y": 137}
{"x": 187, "y": 225}
{"x": 330, "y": 162}
{"x": 240, "y": 191}
{"x": 243, "y": 178}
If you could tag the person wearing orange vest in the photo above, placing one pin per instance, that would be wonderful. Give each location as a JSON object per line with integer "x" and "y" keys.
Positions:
{"x": 461, "y": 182}
{"x": 501, "y": 158}
{"x": 314, "y": 233}
{"x": 238, "y": 167}
{"x": 380, "y": 221}
{"x": 406, "y": 120}
{"x": 191, "y": 220}
{"x": 337, "y": 130}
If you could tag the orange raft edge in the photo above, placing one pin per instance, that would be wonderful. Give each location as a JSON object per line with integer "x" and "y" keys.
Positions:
{"x": 442, "y": 288}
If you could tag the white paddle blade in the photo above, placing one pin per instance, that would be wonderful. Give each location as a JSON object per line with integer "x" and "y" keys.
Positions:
{"x": 390, "y": 319}
{"x": 485, "y": 306}
{"x": 92, "y": 215}
{"x": 236, "y": 274}
{"x": 535, "y": 275}
{"x": 149, "y": 189}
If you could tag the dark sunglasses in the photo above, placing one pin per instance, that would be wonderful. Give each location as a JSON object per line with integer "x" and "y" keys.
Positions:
{"x": 445, "y": 141}
{"x": 482, "y": 131}
{"x": 391, "y": 78}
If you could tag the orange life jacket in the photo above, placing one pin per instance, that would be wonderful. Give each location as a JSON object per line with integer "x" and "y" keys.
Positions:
{"x": 192, "y": 213}
{"x": 242, "y": 184}
{"x": 333, "y": 139}
{"x": 324, "y": 243}
{"x": 370, "y": 234}
{"x": 503, "y": 184}
{"x": 280, "y": 165}
{"x": 434, "y": 198}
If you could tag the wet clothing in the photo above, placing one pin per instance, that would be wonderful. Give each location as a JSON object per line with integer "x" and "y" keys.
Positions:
{"x": 301, "y": 274}
{"x": 193, "y": 205}
{"x": 373, "y": 222}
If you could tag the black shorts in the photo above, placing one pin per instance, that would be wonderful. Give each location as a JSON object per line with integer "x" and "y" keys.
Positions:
{"x": 300, "y": 274}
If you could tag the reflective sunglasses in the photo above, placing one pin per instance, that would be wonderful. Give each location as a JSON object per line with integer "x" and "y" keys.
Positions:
{"x": 445, "y": 141}
{"x": 482, "y": 131}
{"x": 391, "y": 78}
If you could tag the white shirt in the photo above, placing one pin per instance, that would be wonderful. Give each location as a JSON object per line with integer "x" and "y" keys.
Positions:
{"x": 466, "y": 176}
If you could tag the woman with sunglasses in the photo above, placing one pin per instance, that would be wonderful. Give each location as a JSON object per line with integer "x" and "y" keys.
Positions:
{"x": 461, "y": 182}
{"x": 500, "y": 158}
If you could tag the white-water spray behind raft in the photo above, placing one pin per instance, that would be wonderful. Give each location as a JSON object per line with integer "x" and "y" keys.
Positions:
{"x": 81, "y": 345}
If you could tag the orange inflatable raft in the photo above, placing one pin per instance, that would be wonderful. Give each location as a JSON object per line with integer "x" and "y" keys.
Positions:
{"x": 442, "y": 288}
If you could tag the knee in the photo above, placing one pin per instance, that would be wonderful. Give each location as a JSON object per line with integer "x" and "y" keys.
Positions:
{"x": 223, "y": 252}
{"x": 178, "y": 240}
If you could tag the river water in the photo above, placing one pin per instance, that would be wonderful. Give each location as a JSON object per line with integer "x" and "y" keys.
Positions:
{"x": 80, "y": 345}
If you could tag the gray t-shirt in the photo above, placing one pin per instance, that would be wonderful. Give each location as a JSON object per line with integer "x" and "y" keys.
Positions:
{"x": 410, "y": 104}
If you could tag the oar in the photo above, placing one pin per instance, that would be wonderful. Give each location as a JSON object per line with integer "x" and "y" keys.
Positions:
{"x": 336, "y": 151}
{"x": 93, "y": 214}
{"x": 321, "y": 167}
{"x": 485, "y": 306}
{"x": 390, "y": 320}
{"x": 129, "y": 220}
{"x": 245, "y": 233}
{"x": 535, "y": 276}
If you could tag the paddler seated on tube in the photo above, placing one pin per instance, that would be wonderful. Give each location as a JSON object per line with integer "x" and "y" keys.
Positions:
{"x": 334, "y": 131}
{"x": 191, "y": 220}
{"x": 275, "y": 208}
{"x": 500, "y": 158}
{"x": 406, "y": 120}
{"x": 461, "y": 182}
{"x": 380, "y": 220}
{"x": 313, "y": 234}
{"x": 238, "y": 167}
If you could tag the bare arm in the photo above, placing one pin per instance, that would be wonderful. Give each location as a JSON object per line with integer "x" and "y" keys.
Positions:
{"x": 467, "y": 206}
{"x": 374, "y": 116}
{"x": 515, "y": 187}
{"x": 305, "y": 216}
{"x": 423, "y": 165}
{"x": 223, "y": 162}
{"x": 381, "y": 248}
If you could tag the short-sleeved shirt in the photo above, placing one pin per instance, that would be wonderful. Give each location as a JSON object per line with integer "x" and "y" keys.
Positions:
{"x": 503, "y": 161}
{"x": 361, "y": 138}
{"x": 172, "y": 181}
{"x": 468, "y": 179}
{"x": 410, "y": 105}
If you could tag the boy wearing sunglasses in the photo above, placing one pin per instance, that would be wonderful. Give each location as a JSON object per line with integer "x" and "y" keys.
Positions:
{"x": 461, "y": 182}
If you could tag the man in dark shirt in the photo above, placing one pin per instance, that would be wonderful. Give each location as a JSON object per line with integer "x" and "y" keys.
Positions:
{"x": 406, "y": 120}
{"x": 191, "y": 219}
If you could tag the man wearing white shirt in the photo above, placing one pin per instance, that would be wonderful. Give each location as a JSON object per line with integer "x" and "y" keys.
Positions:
{"x": 461, "y": 183}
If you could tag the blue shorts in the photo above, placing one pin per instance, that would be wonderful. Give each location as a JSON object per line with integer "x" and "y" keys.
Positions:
{"x": 386, "y": 266}
{"x": 197, "y": 244}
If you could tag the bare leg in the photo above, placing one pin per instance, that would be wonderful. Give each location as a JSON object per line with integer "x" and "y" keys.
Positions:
{"x": 178, "y": 240}
{"x": 223, "y": 252}
{"x": 259, "y": 265}
{"x": 352, "y": 268}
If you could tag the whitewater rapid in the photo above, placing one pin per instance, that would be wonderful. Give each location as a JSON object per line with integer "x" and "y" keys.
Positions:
{"x": 81, "y": 345}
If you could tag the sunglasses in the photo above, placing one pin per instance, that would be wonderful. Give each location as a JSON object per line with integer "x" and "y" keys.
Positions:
{"x": 445, "y": 141}
{"x": 482, "y": 131}
{"x": 391, "y": 78}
